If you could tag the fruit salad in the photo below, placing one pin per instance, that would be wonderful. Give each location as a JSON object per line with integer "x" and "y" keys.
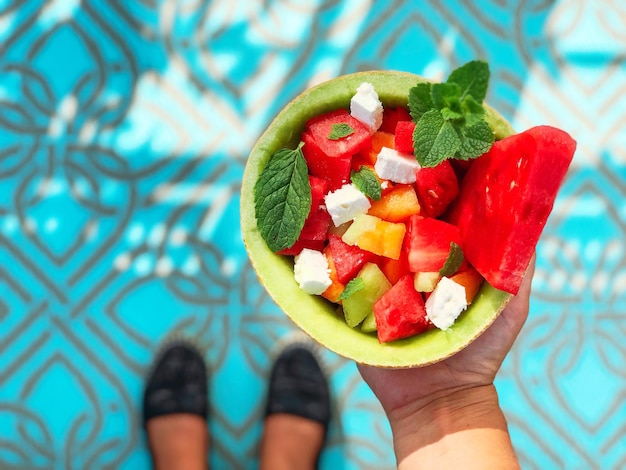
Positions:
{"x": 398, "y": 214}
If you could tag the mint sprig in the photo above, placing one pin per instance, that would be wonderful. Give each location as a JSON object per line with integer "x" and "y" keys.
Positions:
{"x": 450, "y": 117}
{"x": 282, "y": 198}
{"x": 367, "y": 182}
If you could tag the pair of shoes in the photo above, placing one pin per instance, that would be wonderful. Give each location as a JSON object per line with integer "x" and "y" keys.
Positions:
{"x": 177, "y": 383}
{"x": 298, "y": 386}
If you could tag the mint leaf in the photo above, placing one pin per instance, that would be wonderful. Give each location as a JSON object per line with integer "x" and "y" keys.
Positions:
{"x": 366, "y": 181}
{"x": 475, "y": 140}
{"x": 453, "y": 261}
{"x": 420, "y": 100}
{"x": 340, "y": 131}
{"x": 434, "y": 139}
{"x": 473, "y": 111}
{"x": 352, "y": 287}
{"x": 282, "y": 198}
{"x": 450, "y": 115}
{"x": 472, "y": 78}
{"x": 446, "y": 95}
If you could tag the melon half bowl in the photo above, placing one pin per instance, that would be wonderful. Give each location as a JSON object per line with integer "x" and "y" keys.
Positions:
{"x": 313, "y": 314}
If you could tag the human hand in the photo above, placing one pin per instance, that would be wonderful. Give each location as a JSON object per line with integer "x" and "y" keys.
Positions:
{"x": 473, "y": 367}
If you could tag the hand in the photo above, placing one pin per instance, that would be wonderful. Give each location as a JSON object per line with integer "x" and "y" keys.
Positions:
{"x": 474, "y": 366}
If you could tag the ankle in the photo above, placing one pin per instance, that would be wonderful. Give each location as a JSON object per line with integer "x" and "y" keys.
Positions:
{"x": 178, "y": 441}
{"x": 290, "y": 441}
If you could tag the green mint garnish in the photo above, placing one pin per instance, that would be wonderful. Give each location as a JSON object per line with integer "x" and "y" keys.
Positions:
{"x": 282, "y": 198}
{"x": 352, "y": 287}
{"x": 339, "y": 131}
{"x": 450, "y": 117}
{"x": 453, "y": 261}
{"x": 366, "y": 181}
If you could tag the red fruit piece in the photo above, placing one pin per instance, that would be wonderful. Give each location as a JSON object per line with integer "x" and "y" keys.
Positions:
{"x": 348, "y": 259}
{"x": 391, "y": 117}
{"x": 315, "y": 229}
{"x": 506, "y": 198}
{"x": 436, "y": 188}
{"x": 404, "y": 136}
{"x": 331, "y": 158}
{"x": 400, "y": 312}
{"x": 428, "y": 243}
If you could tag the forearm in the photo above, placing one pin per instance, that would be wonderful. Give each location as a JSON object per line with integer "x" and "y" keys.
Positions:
{"x": 464, "y": 430}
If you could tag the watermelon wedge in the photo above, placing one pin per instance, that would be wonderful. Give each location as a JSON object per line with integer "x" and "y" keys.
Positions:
{"x": 499, "y": 234}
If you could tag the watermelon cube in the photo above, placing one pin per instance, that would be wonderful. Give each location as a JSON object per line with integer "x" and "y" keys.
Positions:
{"x": 436, "y": 188}
{"x": 404, "y": 136}
{"x": 400, "y": 312}
{"x": 328, "y": 157}
{"x": 428, "y": 243}
{"x": 391, "y": 117}
{"x": 348, "y": 259}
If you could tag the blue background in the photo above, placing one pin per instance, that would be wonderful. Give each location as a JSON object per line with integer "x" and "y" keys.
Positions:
{"x": 124, "y": 131}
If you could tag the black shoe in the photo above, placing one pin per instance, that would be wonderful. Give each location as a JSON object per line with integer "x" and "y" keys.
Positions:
{"x": 298, "y": 386}
{"x": 177, "y": 384}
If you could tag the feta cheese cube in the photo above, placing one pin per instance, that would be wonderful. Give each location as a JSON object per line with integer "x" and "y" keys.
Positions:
{"x": 346, "y": 203}
{"x": 311, "y": 271}
{"x": 395, "y": 166}
{"x": 366, "y": 107}
{"x": 446, "y": 303}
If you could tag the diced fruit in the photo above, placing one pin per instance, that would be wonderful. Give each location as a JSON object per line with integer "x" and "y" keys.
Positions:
{"x": 335, "y": 289}
{"x": 359, "y": 304}
{"x": 394, "y": 269}
{"x": 396, "y": 205}
{"x": 471, "y": 280}
{"x": 505, "y": 200}
{"x": 400, "y": 312}
{"x": 369, "y": 324}
{"x": 391, "y": 117}
{"x": 426, "y": 281}
{"x": 335, "y": 169}
{"x": 404, "y": 136}
{"x": 348, "y": 259}
{"x": 376, "y": 235}
{"x": 331, "y": 158}
{"x": 436, "y": 187}
{"x": 321, "y": 128}
{"x": 428, "y": 243}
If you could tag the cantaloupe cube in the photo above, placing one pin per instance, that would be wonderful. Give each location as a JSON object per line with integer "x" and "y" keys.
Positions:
{"x": 376, "y": 235}
{"x": 471, "y": 280}
{"x": 397, "y": 204}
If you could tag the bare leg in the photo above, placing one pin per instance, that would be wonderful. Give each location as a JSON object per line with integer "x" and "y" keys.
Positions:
{"x": 289, "y": 442}
{"x": 178, "y": 442}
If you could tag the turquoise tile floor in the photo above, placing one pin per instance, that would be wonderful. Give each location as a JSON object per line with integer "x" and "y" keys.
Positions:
{"x": 124, "y": 130}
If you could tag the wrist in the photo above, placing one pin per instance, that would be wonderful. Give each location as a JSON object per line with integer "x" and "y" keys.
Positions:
{"x": 450, "y": 428}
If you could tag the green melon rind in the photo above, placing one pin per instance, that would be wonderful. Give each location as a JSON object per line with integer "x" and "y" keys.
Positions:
{"x": 313, "y": 314}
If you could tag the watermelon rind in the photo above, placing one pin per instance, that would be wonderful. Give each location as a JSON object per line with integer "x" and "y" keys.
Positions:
{"x": 313, "y": 314}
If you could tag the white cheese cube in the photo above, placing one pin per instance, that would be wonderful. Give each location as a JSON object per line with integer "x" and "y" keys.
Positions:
{"x": 395, "y": 166}
{"x": 311, "y": 271}
{"x": 366, "y": 107}
{"x": 446, "y": 303}
{"x": 345, "y": 204}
